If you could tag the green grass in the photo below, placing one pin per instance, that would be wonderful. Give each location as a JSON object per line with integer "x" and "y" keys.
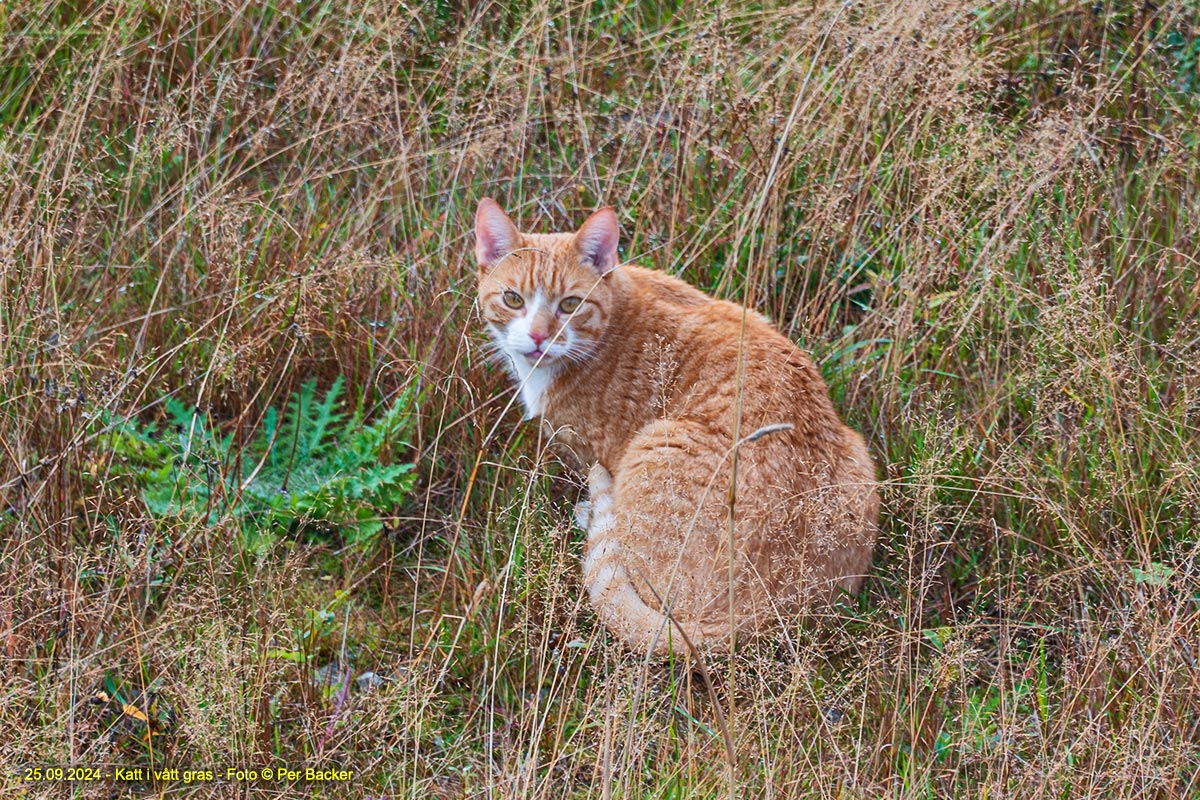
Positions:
{"x": 980, "y": 218}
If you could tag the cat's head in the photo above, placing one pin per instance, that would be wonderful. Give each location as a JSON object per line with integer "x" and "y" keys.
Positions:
{"x": 544, "y": 296}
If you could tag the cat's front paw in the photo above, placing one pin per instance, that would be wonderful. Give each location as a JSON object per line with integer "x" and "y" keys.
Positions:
{"x": 600, "y": 481}
{"x": 599, "y": 502}
{"x": 583, "y": 515}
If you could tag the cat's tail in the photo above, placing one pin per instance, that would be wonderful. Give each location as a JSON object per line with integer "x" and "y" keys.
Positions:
{"x": 613, "y": 594}
{"x": 622, "y": 610}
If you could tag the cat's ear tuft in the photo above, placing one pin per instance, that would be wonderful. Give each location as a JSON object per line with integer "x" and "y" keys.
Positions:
{"x": 495, "y": 234}
{"x": 596, "y": 242}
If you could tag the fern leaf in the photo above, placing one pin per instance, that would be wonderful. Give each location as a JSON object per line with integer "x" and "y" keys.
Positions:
{"x": 311, "y": 467}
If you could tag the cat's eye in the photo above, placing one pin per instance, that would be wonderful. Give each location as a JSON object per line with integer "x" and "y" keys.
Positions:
{"x": 513, "y": 300}
{"x": 569, "y": 304}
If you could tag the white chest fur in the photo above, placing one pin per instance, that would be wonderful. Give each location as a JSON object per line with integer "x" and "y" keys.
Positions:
{"x": 532, "y": 383}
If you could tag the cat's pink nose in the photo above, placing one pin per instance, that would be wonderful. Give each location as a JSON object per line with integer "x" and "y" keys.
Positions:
{"x": 538, "y": 337}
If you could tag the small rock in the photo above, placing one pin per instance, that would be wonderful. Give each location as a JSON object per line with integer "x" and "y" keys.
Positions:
{"x": 368, "y": 681}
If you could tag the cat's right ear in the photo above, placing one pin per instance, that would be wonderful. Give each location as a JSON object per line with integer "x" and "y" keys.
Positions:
{"x": 596, "y": 242}
{"x": 495, "y": 234}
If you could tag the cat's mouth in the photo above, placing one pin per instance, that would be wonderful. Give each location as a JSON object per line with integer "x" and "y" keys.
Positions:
{"x": 538, "y": 354}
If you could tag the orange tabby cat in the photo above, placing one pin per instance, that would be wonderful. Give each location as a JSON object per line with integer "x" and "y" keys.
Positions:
{"x": 656, "y": 382}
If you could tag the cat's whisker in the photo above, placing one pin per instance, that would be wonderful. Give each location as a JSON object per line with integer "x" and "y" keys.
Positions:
{"x": 490, "y": 349}
{"x": 581, "y": 351}
{"x": 576, "y": 354}
{"x": 489, "y": 344}
{"x": 578, "y": 357}
{"x": 494, "y": 352}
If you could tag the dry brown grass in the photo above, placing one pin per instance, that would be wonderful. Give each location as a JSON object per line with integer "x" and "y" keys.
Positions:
{"x": 981, "y": 218}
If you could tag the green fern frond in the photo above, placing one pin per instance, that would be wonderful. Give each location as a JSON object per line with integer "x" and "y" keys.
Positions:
{"x": 321, "y": 469}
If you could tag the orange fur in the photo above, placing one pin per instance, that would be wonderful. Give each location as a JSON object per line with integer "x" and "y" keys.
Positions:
{"x": 648, "y": 378}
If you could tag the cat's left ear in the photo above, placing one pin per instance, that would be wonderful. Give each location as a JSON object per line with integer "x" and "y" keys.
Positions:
{"x": 596, "y": 242}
